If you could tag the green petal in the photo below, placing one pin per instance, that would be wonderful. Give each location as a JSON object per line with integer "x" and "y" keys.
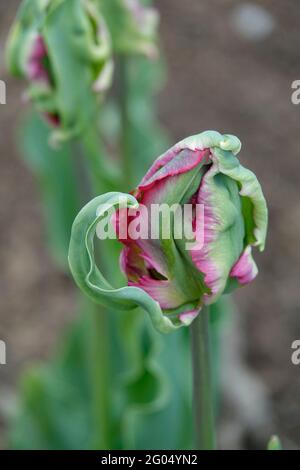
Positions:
{"x": 224, "y": 148}
{"x": 210, "y": 140}
{"x": 86, "y": 273}
{"x": 28, "y": 22}
{"x": 256, "y": 217}
{"x": 236, "y": 203}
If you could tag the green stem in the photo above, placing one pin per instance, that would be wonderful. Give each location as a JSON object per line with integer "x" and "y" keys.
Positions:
{"x": 125, "y": 141}
{"x": 99, "y": 371}
{"x": 103, "y": 175}
{"x": 202, "y": 382}
{"x": 99, "y": 325}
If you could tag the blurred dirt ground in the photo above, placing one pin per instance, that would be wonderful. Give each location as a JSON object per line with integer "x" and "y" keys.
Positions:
{"x": 217, "y": 80}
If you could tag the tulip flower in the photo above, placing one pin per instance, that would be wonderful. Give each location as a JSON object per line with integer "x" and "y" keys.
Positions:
{"x": 171, "y": 279}
{"x": 63, "y": 48}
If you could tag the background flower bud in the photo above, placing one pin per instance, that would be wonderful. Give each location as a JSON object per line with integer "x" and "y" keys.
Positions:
{"x": 202, "y": 169}
{"x": 63, "y": 48}
{"x": 133, "y": 26}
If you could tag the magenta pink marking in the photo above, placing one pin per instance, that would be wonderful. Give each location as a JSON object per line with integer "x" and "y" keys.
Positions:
{"x": 245, "y": 269}
{"x": 52, "y": 119}
{"x": 36, "y": 70}
{"x": 188, "y": 317}
{"x": 201, "y": 257}
{"x": 158, "y": 290}
{"x": 150, "y": 180}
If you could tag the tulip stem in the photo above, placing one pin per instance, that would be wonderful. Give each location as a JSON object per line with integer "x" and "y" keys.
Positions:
{"x": 99, "y": 377}
{"x": 99, "y": 172}
{"x": 99, "y": 323}
{"x": 125, "y": 138}
{"x": 202, "y": 382}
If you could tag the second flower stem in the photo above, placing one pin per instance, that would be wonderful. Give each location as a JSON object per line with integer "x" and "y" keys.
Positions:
{"x": 99, "y": 317}
{"x": 125, "y": 137}
{"x": 202, "y": 382}
{"x": 99, "y": 358}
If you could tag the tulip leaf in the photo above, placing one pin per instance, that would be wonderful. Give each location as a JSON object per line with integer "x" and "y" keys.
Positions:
{"x": 55, "y": 174}
{"x": 55, "y": 409}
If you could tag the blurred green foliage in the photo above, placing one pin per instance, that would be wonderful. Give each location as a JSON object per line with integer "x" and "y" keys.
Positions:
{"x": 56, "y": 178}
{"x": 274, "y": 443}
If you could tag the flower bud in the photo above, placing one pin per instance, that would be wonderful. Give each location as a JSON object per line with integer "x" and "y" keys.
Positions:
{"x": 201, "y": 171}
{"x": 63, "y": 49}
{"x": 133, "y": 26}
{"x": 171, "y": 277}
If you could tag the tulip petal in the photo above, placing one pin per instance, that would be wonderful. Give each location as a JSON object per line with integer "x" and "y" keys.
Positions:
{"x": 142, "y": 272}
{"x": 89, "y": 278}
{"x": 251, "y": 193}
{"x": 36, "y": 69}
{"x": 164, "y": 292}
{"x": 245, "y": 269}
{"x": 223, "y": 231}
{"x": 188, "y": 317}
{"x": 172, "y": 163}
{"x": 244, "y": 209}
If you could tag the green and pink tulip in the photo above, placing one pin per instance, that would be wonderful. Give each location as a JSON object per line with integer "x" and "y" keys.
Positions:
{"x": 63, "y": 49}
{"x": 170, "y": 281}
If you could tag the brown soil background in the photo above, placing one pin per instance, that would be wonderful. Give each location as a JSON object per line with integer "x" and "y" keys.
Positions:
{"x": 217, "y": 80}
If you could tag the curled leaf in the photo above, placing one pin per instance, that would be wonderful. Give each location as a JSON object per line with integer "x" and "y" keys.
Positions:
{"x": 87, "y": 274}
